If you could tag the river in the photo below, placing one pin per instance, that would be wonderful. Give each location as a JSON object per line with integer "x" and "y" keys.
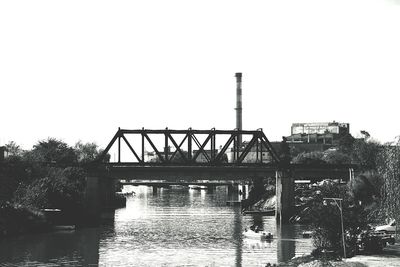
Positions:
{"x": 171, "y": 227}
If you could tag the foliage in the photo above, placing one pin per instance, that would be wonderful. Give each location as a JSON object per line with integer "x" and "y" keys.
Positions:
{"x": 366, "y": 187}
{"x": 318, "y": 157}
{"x": 336, "y": 157}
{"x": 88, "y": 152}
{"x": 365, "y": 153}
{"x": 12, "y": 174}
{"x": 389, "y": 169}
{"x": 61, "y": 188}
{"x": 345, "y": 143}
{"x": 325, "y": 214}
{"x": 14, "y": 151}
{"x": 314, "y": 157}
{"x": 32, "y": 181}
{"x": 51, "y": 151}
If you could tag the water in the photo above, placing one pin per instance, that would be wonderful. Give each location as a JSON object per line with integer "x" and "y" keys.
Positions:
{"x": 173, "y": 227}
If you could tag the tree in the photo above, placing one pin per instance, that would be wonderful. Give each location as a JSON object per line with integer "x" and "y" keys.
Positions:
{"x": 365, "y": 153}
{"x": 345, "y": 143}
{"x": 14, "y": 151}
{"x": 52, "y": 151}
{"x": 365, "y": 188}
{"x": 87, "y": 152}
{"x": 326, "y": 218}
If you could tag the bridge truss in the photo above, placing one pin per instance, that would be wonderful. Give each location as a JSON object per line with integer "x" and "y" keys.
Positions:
{"x": 192, "y": 147}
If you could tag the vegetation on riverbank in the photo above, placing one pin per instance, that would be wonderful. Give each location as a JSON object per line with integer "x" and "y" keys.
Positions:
{"x": 48, "y": 176}
{"x": 370, "y": 198}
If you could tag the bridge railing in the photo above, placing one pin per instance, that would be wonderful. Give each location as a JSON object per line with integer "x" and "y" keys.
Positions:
{"x": 192, "y": 147}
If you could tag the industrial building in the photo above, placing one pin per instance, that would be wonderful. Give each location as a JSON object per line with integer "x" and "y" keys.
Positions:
{"x": 318, "y": 132}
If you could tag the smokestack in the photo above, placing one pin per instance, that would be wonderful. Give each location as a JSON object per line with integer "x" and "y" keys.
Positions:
{"x": 238, "y": 76}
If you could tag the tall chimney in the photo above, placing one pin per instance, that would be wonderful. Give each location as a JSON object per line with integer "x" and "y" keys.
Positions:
{"x": 238, "y": 76}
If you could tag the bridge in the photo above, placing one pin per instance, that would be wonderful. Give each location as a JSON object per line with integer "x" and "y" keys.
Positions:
{"x": 191, "y": 155}
{"x": 189, "y": 140}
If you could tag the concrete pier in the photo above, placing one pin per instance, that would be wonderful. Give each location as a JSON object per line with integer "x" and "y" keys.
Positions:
{"x": 92, "y": 200}
{"x": 99, "y": 197}
{"x": 234, "y": 188}
{"x": 284, "y": 196}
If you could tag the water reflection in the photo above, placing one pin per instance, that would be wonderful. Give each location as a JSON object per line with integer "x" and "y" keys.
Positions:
{"x": 169, "y": 227}
{"x": 237, "y": 235}
{"x": 80, "y": 247}
{"x": 286, "y": 242}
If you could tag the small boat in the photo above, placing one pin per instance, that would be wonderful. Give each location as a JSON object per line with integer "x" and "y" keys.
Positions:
{"x": 260, "y": 235}
{"x": 307, "y": 234}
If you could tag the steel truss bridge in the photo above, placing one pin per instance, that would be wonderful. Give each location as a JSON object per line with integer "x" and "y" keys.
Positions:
{"x": 192, "y": 155}
{"x": 189, "y": 153}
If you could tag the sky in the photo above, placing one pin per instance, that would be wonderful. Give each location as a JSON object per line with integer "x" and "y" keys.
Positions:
{"x": 78, "y": 70}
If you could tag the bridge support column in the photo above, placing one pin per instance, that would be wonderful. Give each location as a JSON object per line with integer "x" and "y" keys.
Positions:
{"x": 99, "y": 199}
{"x": 284, "y": 196}
{"x": 107, "y": 198}
{"x": 234, "y": 188}
{"x": 155, "y": 188}
{"x": 244, "y": 191}
{"x": 92, "y": 200}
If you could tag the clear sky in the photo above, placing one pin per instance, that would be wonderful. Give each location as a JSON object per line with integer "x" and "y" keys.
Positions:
{"x": 78, "y": 70}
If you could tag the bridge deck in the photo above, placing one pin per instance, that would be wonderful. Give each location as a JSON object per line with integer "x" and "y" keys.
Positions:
{"x": 223, "y": 172}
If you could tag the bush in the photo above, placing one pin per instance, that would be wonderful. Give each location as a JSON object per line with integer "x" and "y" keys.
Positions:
{"x": 61, "y": 188}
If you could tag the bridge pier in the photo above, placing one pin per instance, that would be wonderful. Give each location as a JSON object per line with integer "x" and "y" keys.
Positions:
{"x": 244, "y": 191}
{"x": 284, "y": 196}
{"x": 233, "y": 188}
{"x": 92, "y": 200}
{"x": 99, "y": 198}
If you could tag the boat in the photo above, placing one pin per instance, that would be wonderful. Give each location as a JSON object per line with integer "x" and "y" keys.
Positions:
{"x": 260, "y": 235}
{"x": 307, "y": 234}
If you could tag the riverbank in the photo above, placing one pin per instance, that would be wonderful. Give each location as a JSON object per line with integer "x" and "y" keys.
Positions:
{"x": 390, "y": 257}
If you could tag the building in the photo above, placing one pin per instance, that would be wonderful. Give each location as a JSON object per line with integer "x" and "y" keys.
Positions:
{"x": 320, "y": 128}
{"x": 313, "y": 136}
{"x": 318, "y": 132}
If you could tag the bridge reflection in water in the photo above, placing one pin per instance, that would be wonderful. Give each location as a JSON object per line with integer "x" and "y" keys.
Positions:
{"x": 175, "y": 226}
